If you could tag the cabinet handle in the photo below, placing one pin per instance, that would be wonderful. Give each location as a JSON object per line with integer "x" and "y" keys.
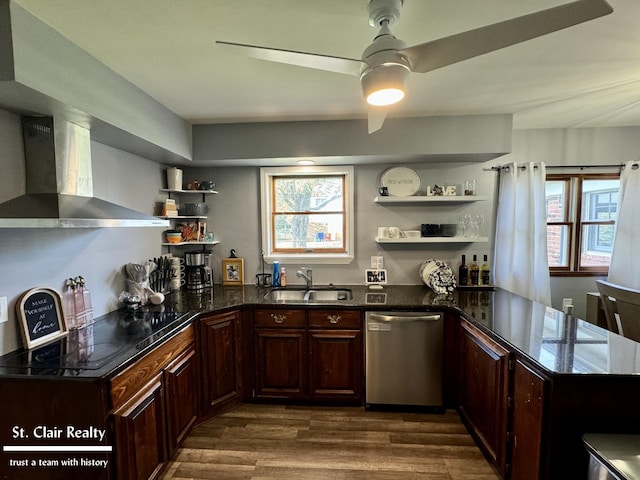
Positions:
{"x": 278, "y": 318}
{"x": 334, "y": 318}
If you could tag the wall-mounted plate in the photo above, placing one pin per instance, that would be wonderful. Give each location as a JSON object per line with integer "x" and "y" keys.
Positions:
{"x": 401, "y": 181}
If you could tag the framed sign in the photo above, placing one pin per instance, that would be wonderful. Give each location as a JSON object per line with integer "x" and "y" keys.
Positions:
{"x": 375, "y": 277}
{"x": 233, "y": 271}
{"x": 41, "y": 315}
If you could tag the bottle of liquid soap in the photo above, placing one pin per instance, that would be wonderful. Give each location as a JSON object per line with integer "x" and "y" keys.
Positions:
{"x": 276, "y": 274}
{"x": 283, "y": 277}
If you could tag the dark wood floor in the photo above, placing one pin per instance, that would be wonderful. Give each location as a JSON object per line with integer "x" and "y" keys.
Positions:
{"x": 267, "y": 442}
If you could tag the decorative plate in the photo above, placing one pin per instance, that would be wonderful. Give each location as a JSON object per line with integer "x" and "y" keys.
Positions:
{"x": 401, "y": 181}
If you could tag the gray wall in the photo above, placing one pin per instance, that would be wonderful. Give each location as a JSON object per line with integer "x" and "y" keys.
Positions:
{"x": 46, "y": 257}
{"x": 234, "y": 217}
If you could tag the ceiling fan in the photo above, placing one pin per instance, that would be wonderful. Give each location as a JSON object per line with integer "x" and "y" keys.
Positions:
{"x": 387, "y": 61}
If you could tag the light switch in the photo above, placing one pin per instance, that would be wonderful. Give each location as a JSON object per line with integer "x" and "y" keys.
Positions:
{"x": 377, "y": 262}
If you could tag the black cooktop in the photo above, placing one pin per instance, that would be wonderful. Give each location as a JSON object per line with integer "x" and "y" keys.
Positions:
{"x": 93, "y": 346}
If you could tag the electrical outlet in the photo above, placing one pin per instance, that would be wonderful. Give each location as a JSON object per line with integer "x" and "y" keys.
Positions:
{"x": 4, "y": 314}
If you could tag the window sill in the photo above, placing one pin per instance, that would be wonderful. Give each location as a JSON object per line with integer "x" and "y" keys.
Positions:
{"x": 578, "y": 274}
{"x": 311, "y": 259}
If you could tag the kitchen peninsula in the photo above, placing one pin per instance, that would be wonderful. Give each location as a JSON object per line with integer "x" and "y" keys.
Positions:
{"x": 527, "y": 380}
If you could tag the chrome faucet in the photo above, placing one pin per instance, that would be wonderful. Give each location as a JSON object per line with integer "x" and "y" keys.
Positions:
{"x": 307, "y": 275}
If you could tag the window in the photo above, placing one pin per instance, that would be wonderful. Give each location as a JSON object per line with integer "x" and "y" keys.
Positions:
{"x": 307, "y": 214}
{"x": 581, "y": 214}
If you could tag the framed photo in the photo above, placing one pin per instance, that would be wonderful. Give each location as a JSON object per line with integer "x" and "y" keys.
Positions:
{"x": 375, "y": 277}
{"x": 233, "y": 271}
{"x": 41, "y": 316}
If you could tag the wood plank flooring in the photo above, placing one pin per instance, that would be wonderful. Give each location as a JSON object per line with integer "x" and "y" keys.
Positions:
{"x": 275, "y": 442}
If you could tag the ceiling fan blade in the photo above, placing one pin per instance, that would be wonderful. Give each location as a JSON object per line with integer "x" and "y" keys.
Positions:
{"x": 344, "y": 65}
{"x": 455, "y": 48}
{"x": 376, "y": 116}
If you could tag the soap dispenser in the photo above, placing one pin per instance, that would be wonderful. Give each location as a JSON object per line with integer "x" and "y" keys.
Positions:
{"x": 276, "y": 273}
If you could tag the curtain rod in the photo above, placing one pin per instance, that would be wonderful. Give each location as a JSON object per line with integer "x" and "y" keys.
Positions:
{"x": 615, "y": 165}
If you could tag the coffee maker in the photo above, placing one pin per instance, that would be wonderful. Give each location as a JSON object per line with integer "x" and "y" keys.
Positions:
{"x": 197, "y": 270}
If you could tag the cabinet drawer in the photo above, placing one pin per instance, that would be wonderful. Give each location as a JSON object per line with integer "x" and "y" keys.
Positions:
{"x": 335, "y": 319}
{"x": 127, "y": 383}
{"x": 279, "y": 318}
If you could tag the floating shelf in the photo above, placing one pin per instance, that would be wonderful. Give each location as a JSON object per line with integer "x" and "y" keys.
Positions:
{"x": 184, "y": 217}
{"x": 432, "y": 199}
{"x": 215, "y": 242}
{"x": 189, "y": 191}
{"x": 433, "y": 240}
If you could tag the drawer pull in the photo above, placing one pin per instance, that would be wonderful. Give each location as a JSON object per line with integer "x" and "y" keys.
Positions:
{"x": 278, "y": 318}
{"x": 333, "y": 319}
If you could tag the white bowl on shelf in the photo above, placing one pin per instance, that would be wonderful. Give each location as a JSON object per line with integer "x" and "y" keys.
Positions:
{"x": 411, "y": 233}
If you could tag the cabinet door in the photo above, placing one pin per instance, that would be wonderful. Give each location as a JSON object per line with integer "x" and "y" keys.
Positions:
{"x": 281, "y": 363}
{"x": 484, "y": 391}
{"x": 139, "y": 427}
{"x": 221, "y": 358}
{"x": 182, "y": 397}
{"x": 528, "y": 402}
{"x": 336, "y": 364}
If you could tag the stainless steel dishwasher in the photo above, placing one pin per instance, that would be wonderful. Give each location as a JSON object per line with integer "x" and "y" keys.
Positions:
{"x": 404, "y": 357}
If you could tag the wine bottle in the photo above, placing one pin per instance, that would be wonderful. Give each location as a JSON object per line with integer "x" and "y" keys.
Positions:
{"x": 463, "y": 272}
{"x": 474, "y": 271}
{"x": 485, "y": 273}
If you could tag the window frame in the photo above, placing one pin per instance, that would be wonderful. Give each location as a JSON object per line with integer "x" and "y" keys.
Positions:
{"x": 573, "y": 219}
{"x": 267, "y": 196}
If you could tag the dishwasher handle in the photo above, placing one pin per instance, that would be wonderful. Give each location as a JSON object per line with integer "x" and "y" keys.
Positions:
{"x": 385, "y": 317}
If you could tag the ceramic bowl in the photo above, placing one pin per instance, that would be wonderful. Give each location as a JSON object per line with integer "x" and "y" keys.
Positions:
{"x": 412, "y": 233}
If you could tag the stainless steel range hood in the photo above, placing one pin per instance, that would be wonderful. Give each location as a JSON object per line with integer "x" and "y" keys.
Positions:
{"x": 59, "y": 190}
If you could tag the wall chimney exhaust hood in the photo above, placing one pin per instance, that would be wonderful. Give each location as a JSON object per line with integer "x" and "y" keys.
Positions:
{"x": 59, "y": 187}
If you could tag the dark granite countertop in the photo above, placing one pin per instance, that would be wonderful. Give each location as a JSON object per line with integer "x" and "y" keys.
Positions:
{"x": 561, "y": 344}
{"x": 619, "y": 453}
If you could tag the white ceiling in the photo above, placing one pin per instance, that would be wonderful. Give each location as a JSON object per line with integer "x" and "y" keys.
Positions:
{"x": 587, "y": 75}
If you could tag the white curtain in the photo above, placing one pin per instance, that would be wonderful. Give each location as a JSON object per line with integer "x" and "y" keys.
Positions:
{"x": 625, "y": 261}
{"x": 521, "y": 265}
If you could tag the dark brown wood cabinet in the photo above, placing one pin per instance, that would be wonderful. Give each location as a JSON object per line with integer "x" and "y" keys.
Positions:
{"x": 221, "y": 349}
{"x": 280, "y": 341}
{"x": 281, "y": 363}
{"x": 147, "y": 399}
{"x": 527, "y": 429}
{"x": 181, "y": 382}
{"x": 139, "y": 430}
{"x": 483, "y": 390}
{"x": 312, "y": 355}
{"x": 336, "y": 356}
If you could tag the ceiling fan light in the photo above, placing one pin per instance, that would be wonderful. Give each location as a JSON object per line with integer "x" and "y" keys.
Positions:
{"x": 385, "y": 96}
{"x": 384, "y": 84}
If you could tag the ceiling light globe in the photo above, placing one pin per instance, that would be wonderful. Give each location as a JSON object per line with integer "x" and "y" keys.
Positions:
{"x": 385, "y": 96}
{"x": 384, "y": 84}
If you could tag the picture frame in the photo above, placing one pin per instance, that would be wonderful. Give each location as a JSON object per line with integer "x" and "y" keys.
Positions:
{"x": 41, "y": 316}
{"x": 233, "y": 271}
{"x": 375, "y": 277}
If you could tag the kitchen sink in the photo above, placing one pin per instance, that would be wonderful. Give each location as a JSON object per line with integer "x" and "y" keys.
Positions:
{"x": 328, "y": 294}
